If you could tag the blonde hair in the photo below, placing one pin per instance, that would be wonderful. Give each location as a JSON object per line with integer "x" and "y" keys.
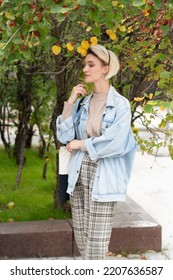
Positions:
{"x": 107, "y": 57}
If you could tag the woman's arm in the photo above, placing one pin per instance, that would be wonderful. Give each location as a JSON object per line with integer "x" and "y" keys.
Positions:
{"x": 64, "y": 123}
{"x": 115, "y": 141}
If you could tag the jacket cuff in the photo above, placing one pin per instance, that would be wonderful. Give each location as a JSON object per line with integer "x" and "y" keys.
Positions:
{"x": 67, "y": 111}
{"x": 90, "y": 149}
{"x": 83, "y": 149}
{"x": 66, "y": 124}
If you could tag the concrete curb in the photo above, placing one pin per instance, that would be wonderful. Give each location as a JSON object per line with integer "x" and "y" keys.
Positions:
{"x": 133, "y": 231}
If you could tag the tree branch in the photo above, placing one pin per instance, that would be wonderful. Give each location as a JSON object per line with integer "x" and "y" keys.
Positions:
{"x": 11, "y": 38}
{"x": 49, "y": 72}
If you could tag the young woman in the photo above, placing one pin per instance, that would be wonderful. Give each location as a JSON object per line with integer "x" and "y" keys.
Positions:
{"x": 99, "y": 137}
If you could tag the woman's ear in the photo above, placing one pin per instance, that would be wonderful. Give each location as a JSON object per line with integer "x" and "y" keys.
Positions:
{"x": 106, "y": 69}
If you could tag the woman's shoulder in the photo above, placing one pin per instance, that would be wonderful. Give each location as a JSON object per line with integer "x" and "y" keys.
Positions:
{"x": 118, "y": 99}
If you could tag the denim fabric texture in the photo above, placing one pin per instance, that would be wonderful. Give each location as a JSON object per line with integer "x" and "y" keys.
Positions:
{"x": 114, "y": 149}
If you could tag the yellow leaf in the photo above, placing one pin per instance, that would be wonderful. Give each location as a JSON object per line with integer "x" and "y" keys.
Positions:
{"x": 162, "y": 108}
{"x": 93, "y": 41}
{"x": 129, "y": 29}
{"x": 9, "y": 16}
{"x": 137, "y": 99}
{"x": 10, "y": 205}
{"x": 70, "y": 47}
{"x": 108, "y": 31}
{"x": 10, "y": 220}
{"x": 113, "y": 36}
{"x": 88, "y": 28}
{"x": 56, "y": 49}
{"x": 121, "y": 6}
{"x": 82, "y": 51}
{"x": 114, "y": 3}
{"x": 146, "y": 13}
{"x": 122, "y": 28}
{"x": 150, "y": 96}
{"x": 119, "y": 256}
{"x": 135, "y": 129}
{"x": 85, "y": 45}
{"x": 30, "y": 44}
{"x": 2, "y": 45}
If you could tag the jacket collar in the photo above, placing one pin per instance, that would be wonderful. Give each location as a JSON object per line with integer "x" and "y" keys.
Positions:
{"x": 110, "y": 99}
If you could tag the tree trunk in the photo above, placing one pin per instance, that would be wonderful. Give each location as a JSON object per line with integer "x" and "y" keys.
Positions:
{"x": 31, "y": 131}
{"x": 21, "y": 159}
{"x": 24, "y": 101}
{"x": 4, "y": 124}
{"x": 57, "y": 111}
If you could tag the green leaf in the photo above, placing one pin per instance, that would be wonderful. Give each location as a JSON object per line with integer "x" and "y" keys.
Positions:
{"x": 96, "y": 31}
{"x": 166, "y": 104}
{"x": 60, "y": 17}
{"x": 16, "y": 56}
{"x": 93, "y": 15}
{"x": 1, "y": 52}
{"x": 59, "y": 9}
{"x": 138, "y": 3}
{"x": 165, "y": 29}
{"x": 152, "y": 102}
{"x": 157, "y": 93}
{"x": 26, "y": 54}
{"x": 17, "y": 41}
{"x": 148, "y": 108}
{"x": 158, "y": 4}
{"x": 165, "y": 75}
{"x": 81, "y": 2}
{"x": 55, "y": 9}
{"x": 162, "y": 56}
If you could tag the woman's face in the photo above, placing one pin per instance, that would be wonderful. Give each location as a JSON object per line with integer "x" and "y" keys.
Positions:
{"x": 94, "y": 70}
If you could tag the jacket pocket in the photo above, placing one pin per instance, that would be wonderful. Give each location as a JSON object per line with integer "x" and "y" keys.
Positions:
{"x": 111, "y": 178}
{"x": 108, "y": 118}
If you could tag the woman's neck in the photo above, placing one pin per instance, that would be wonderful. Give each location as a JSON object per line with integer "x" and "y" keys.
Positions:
{"x": 101, "y": 87}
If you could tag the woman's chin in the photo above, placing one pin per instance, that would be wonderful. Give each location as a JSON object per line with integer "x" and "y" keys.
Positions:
{"x": 87, "y": 80}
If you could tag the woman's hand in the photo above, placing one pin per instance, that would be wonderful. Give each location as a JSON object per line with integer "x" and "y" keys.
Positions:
{"x": 74, "y": 145}
{"x": 76, "y": 91}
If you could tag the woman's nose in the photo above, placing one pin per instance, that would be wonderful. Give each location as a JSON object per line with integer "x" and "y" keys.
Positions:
{"x": 85, "y": 68}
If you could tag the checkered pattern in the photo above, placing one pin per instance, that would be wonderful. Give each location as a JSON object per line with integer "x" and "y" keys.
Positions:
{"x": 92, "y": 220}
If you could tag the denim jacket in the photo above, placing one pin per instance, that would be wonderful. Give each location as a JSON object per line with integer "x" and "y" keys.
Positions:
{"x": 114, "y": 149}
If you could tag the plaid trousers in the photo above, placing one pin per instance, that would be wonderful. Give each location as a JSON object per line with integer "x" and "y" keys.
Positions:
{"x": 92, "y": 220}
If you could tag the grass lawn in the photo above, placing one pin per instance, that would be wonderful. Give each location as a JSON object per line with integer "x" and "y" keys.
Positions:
{"x": 33, "y": 200}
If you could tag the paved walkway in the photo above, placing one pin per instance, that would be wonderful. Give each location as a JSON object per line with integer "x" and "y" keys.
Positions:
{"x": 151, "y": 186}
